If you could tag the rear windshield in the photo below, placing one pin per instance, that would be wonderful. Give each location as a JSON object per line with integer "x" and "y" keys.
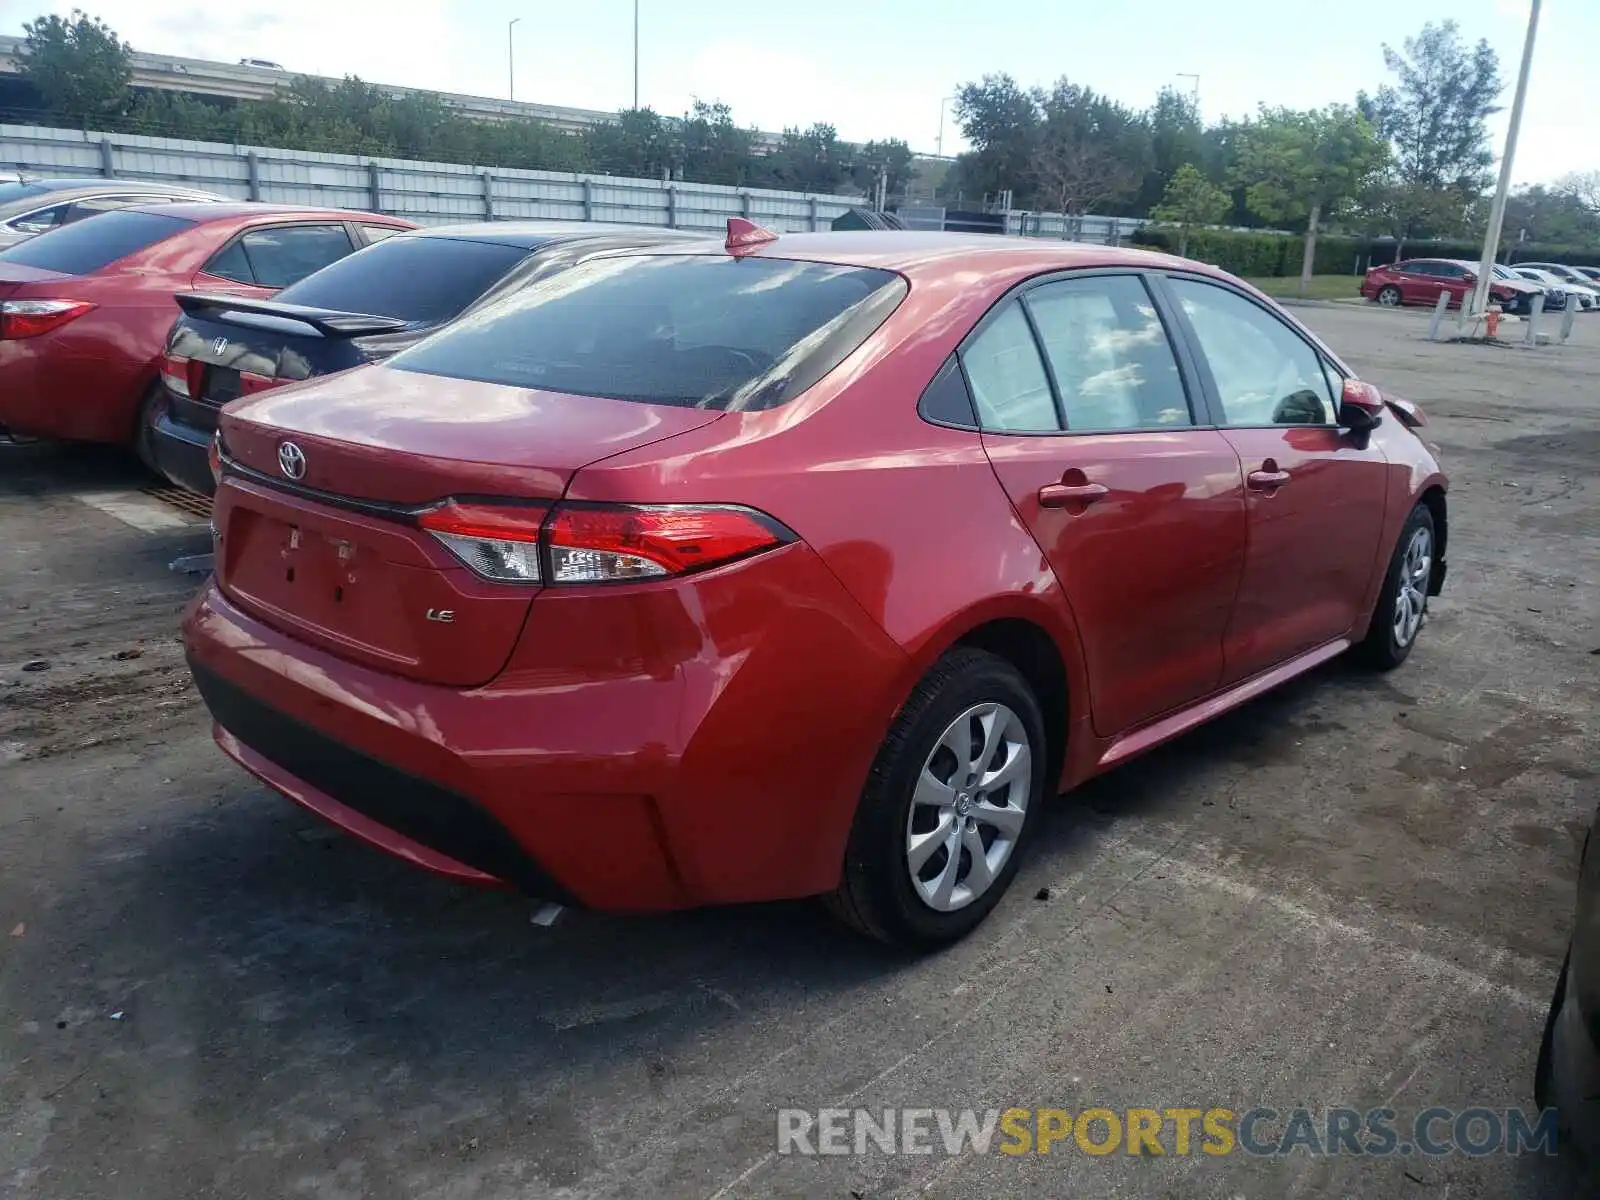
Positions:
{"x": 11, "y": 192}
{"x": 420, "y": 279}
{"x": 703, "y": 331}
{"x": 87, "y": 246}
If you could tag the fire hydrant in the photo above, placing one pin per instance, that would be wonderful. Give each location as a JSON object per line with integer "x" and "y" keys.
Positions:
{"x": 1492, "y": 319}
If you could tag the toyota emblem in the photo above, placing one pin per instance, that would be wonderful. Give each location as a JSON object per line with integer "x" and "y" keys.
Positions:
{"x": 292, "y": 461}
{"x": 219, "y": 347}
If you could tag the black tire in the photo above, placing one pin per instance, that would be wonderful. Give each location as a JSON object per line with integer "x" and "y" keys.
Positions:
{"x": 875, "y": 893}
{"x": 1542, "y": 1072}
{"x": 1394, "y": 297}
{"x": 1381, "y": 648}
{"x": 144, "y": 432}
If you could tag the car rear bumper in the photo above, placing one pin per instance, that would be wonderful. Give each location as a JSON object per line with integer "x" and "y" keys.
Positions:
{"x": 181, "y": 454}
{"x": 729, "y": 775}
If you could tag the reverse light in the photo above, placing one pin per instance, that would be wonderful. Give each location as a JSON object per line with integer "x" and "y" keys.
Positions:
{"x": 214, "y": 458}
{"x": 615, "y": 543}
{"x": 30, "y": 318}
{"x": 498, "y": 542}
{"x": 580, "y": 543}
{"x": 181, "y": 375}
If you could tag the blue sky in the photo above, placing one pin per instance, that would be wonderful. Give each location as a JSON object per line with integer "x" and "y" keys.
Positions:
{"x": 881, "y": 69}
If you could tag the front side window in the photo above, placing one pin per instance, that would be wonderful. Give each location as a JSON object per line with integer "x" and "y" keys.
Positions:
{"x": 285, "y": 255}
{"x": 1113, "y": 365}
{"x": 1265, "y": 373}
{"x": 706, "y": 331}
{"x": 1009, "y": 387}
{"x": 41, "y": 220}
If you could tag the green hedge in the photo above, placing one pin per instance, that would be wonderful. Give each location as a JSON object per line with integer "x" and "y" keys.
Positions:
{"x": 1276, "y": 255}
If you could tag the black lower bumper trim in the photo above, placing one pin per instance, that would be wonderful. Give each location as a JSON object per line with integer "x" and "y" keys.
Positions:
{"x": 182, "y": 454}
{"x": 426, "y": 813}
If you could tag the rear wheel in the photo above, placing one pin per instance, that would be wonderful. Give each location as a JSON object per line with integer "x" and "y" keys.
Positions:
{"x": 952, "y": 799}
{"x": 144, "y": 432}
{"x": 1403, "y": 603}
{"x": 1389, "y": 296}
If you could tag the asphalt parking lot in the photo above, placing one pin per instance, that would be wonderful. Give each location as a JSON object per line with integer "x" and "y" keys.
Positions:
{"x": 1356, "y": 891}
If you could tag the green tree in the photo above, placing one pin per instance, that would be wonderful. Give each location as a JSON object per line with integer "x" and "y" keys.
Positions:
{"x": 1550, "y": 215}
{"x": 78, "y": 65}
{"x": 1191, "y": 199}
{"x": 809, "y": 160}
{"x": 1434, "y": 117}
{"x": 1177, "y": 139}
{"x": 1306, "y": 166}
{"x": 1091, "y": 152}
{"x": 1001, "y": 122}
{"x": 890, "y": 158}
{"x": 1584, "y": 186}
{"x": 639, "y": 144}
{"x": 711, "y": 148}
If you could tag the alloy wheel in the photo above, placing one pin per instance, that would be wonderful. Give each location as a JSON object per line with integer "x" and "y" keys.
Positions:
{"x": 1412, "y": 595}
{"x": 968, "y": 809}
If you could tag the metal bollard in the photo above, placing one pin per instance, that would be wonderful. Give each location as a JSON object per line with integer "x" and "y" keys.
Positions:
{"x": 1535, "y": 311}
{"x": 1438, "y": 316}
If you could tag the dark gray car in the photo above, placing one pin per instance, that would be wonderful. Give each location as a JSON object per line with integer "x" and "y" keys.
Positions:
{"x": 29, "y": 207}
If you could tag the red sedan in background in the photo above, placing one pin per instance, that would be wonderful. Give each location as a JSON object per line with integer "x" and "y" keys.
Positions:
{"x": 1421, "y": 280}
{"x": 794, "y": 566}
{"x": 85, "y": 309}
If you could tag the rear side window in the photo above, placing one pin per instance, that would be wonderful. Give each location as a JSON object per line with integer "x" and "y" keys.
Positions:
{"x": 277, "y": 257}
{"x": 89, "y": 245}
{"x": 1108, "y": 351}
{"x": 420, "y": 279}
{"x": 1009, "y": 386}
{"x": 704, "y": 331}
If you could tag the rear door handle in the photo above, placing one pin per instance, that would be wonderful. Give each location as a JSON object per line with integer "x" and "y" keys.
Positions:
{"x": 1266, "y": 481}
{"x": 1059, "y": 495}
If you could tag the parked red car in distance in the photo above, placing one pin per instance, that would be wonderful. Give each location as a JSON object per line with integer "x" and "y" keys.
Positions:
{"x": 801, "y": 565}
{"x": 85, "y": 309}
{"x": 1421, "y": 280}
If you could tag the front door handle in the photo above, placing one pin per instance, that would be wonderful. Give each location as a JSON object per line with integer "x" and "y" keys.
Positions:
{"x": 1267, "y": 481}
{"x": 1060, "y": 495}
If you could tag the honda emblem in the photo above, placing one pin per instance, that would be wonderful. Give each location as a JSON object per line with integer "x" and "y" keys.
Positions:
{"x": 219, "y": 347}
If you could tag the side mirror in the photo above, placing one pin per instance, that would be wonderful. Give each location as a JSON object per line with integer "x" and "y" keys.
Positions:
{"x": 1361, "y": 406}
{"x": 1470, "y": 277}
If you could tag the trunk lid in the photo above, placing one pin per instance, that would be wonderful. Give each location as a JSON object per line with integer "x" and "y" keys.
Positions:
{"x": 335, "y": 558}
{"x": 229, "y": 347}
{"x": 17, "y": 279}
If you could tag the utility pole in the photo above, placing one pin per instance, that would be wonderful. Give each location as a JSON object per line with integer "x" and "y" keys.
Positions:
{"x": 1497, "y": 212}
{"x": 511, "y": 60}
{"x": 938, "y": 146}
{"x": 636, "y": 54}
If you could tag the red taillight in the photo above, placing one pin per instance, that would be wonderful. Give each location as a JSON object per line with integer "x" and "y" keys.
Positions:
{"x": 181, "y": 375}
{"x": 611, "y": 543}
{"x": 598, "y": 543}
{"x": 30, "y": 318}
{"x": 499, "y": 542}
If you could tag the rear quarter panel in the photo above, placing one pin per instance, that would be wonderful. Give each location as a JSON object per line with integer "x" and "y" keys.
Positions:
{"x": 908, "y": 515}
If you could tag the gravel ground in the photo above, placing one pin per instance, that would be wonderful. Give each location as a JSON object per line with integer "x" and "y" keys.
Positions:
{"x": 1355, "y": 891}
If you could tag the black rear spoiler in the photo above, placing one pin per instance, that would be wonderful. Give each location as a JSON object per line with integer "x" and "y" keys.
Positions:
{"x": 329, "y": 322}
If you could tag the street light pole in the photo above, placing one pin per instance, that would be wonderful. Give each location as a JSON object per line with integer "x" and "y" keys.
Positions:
{"x": 938, "y": 146}
{"x": 1195, "y": 91}
{"x": 1497, "y": 212}
{"x": 636, "y": 54}
{"x": 511, "y": 60}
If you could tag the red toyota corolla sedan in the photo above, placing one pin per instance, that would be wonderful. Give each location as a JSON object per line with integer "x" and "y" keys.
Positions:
{"x": 85, "y": 309}
{"x": 793, "y": 566}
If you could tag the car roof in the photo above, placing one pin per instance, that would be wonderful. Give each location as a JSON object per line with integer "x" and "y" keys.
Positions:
{"x": 928, "y": 254}
{"x": 97, "y": 183}
{"x": 530, "y": 234}
{"x": 227, "y": 210}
